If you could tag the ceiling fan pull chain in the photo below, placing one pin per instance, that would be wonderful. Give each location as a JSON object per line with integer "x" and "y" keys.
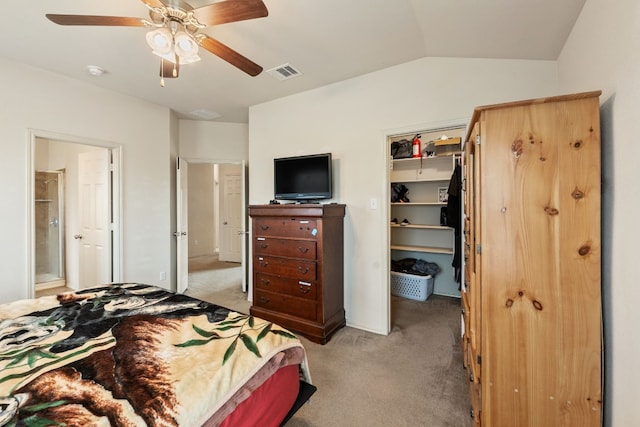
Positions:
{"x": 162, "y": 72}
{"x": 175, "y": 66}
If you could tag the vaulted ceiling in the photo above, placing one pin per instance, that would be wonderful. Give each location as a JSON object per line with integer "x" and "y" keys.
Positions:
{"x": 326, "y": 40}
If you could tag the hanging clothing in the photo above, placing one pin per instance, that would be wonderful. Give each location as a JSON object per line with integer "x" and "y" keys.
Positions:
{"x": 453, "y": 219}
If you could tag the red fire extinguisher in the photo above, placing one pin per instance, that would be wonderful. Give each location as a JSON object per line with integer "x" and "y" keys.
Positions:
{"x": 417, "y": 153}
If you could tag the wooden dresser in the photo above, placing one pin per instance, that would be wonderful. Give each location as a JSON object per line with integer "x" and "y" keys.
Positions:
{"x": 532, "y": 248}
{"x": 298, "y": 267}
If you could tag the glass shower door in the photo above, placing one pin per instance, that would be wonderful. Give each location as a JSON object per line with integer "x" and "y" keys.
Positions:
{"x": 49, "y": 229}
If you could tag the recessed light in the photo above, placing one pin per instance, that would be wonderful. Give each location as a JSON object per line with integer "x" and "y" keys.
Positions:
{"x": 94, "y": 70}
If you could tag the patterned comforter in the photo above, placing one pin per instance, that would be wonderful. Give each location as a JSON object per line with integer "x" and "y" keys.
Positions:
{"x": 130, "y": 355}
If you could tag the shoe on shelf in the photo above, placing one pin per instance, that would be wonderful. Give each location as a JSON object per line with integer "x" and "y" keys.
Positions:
{"x": 404, "y": 222}
{"x": 394, "y": 221}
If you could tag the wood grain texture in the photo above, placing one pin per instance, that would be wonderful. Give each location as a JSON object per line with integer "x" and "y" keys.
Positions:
{"x": 538, "y": 177}
{"x": 298, "y": 267}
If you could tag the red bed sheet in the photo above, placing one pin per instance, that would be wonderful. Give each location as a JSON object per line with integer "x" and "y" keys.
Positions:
{"x": 269, "y": 404}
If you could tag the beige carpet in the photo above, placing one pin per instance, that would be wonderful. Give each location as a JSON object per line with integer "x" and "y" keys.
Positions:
{"x": 207, "y": 274}
{"x": 412, "y": 377}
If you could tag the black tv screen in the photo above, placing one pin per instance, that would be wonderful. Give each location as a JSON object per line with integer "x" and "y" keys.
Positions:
{"x": 302, "y": 178}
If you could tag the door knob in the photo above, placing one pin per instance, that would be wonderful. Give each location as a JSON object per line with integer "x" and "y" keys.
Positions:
{"x": 77, "y": 236}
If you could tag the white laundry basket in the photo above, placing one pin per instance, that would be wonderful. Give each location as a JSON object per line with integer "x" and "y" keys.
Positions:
{"x": 411, "y": 286}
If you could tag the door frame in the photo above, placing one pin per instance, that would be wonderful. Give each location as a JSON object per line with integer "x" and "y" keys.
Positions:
{"x": 116, "y": 198}
{"x": 244, "y": 174}
{"x": 386, "y": 196}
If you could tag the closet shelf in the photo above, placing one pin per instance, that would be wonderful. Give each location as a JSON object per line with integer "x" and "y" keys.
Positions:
{"x": 407, "y": 181}
{"x": 422, "y": 226}
{"x": 424, "y": 249}
{"x": 419, "y": 204}
{"x": 427, "y": 159}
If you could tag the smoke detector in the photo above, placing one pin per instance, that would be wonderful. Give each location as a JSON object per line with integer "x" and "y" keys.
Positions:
{"x": 94, "y": 70}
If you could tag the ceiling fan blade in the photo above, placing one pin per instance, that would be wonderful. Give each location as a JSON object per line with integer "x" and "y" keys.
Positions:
{"x": 114, "y": 21}
{"x": 230, "y": 11}
{"x": 231, "y": 56}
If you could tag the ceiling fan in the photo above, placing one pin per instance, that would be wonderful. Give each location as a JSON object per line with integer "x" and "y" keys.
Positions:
{"x": 175, "y": 27}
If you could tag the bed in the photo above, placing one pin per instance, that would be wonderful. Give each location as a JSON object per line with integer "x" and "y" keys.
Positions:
{"x": 137, "y": 355}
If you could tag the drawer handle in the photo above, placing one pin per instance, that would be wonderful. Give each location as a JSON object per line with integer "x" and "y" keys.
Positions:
{"x": 264, "y": 227}
{"x": 305, "y": 287}
{"x": 264, "y": 245}
{"x": 303, "y": 270}
{"x": 264, "y": 263}
{"x": 266, "y": 282}
{"x": 264, "y": 300}
{"x": 303, "y": 250}
{"x": 471, "y": 377}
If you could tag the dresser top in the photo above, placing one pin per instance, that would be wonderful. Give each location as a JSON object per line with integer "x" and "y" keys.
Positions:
{"x": 294, "y": 209}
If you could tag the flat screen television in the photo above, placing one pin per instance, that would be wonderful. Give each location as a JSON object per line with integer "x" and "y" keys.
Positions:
{"x": 302, "y": 178}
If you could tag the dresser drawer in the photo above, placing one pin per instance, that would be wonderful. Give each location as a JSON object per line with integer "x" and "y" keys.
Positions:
{"x": 281, "y": 303}
{"x": 283, "y": 285}
{"x": 286, "y": 227}
{"x": 285, "y": 247}
{"x": 287, "y": 267}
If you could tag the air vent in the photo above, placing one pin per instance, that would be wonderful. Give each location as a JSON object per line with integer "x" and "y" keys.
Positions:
{"x": 284, "y": 72}
{"x": 205, "y": 114}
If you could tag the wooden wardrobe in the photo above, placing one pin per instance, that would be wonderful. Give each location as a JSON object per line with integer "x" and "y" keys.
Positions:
{"x": 532, "y": 273}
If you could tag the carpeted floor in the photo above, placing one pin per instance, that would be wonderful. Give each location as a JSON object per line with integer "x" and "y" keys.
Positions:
{"x": 411, "y": 377}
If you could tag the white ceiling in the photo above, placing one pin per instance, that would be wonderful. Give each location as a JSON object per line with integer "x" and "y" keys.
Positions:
{"x": 327, "y": 40}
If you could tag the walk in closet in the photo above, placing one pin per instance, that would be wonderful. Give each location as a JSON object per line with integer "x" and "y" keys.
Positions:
{"x": 418, "y": 205}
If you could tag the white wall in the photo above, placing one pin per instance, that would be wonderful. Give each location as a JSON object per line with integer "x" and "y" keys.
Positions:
{"x": 213, "y": 141}
{"x": 350, "y": 119}
{"x": 36, "y": 99}
{"x": 603, "y": 52}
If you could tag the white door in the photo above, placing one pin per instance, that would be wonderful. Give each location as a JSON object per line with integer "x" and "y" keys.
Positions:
{"x": 231, "y": 216}
{"x": 95, "y": 224}
{"x": 182, "y": 224}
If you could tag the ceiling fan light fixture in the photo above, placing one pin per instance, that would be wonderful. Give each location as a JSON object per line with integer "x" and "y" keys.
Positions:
{"x": 185, "y": 44}
{"x": 186, "y": 48}
{"x": 160, "y": 40}
{"x": 189, "y": 60}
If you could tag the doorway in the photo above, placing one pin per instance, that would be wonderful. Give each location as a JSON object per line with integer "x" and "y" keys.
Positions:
{"x": 214, "y": 235}
{"x": 64, "y": 184}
